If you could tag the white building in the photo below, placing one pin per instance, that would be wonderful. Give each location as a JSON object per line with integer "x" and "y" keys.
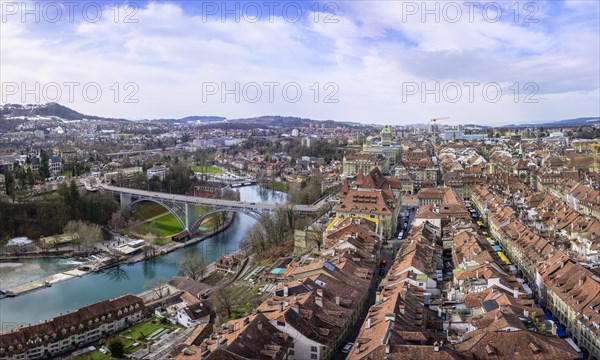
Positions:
{"x": 158, "y": 171}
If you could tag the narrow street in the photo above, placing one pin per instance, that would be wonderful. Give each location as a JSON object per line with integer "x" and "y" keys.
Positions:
{"x": 388, "y": 253}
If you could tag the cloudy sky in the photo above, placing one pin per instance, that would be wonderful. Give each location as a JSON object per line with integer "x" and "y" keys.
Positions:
{"x": 394, "y": 62}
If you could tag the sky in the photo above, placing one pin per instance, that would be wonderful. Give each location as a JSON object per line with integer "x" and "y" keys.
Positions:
{"x": 384, "y": 62}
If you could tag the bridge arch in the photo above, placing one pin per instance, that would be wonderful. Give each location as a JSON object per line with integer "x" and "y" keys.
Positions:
{"x": 256, "y": 215}
{"x": 173, "y": 210}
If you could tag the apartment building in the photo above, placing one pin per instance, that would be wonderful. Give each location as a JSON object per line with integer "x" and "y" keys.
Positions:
{"x": 71, "y": 331}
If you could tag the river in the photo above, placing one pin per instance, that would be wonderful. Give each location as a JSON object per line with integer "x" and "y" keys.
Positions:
{"x": 70, "y": 295}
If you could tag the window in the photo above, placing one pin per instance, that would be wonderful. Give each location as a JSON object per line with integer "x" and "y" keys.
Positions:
{"x": 291, "y": 352}
{"x": 313, "y": 356}
{"x": 313, "y": 348}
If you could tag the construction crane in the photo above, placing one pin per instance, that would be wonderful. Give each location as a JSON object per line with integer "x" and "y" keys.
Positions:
{"x": 434, "y": 135}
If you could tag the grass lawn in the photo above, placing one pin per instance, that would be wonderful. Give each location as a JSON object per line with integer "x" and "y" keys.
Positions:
{"x": 166, "y": 224}
{"x": 247, "y": 298}
{"x": 137, "y": 333}
{"x": 207, "y": 169}
{"x": 278, "y": 186}
{"x": 147, "y": 210}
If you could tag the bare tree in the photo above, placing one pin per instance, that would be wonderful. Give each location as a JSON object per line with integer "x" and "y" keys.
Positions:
{"x": 193, "y": 265}
{"x": 314, "y": 234}
{"x": 119, "y": 219}
{"x": 157, "y": 286}
{"x": 223, "y": 300}
{"x": 88, "y": 235}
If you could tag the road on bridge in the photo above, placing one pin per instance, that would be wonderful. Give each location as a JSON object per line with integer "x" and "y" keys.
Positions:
{"x": 219, "y": 203}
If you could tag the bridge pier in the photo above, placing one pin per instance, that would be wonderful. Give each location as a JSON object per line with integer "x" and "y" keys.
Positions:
{"x": 190, "y": 217}
{"x": 125, "y": 200}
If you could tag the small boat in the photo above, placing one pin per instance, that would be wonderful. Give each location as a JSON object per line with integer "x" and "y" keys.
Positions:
{"x": 47, "y": 283}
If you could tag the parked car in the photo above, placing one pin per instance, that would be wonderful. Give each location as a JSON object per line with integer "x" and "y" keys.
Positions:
{"x": 400, "y": 234}
{"x": 382, "y": 262}
{"x": 382, "y": 272}
{"x": 347, "y": 347}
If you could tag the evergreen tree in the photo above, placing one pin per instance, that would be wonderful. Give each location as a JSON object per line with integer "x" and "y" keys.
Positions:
{"x": 44, "y": 164}
{"x": 30, "y": 177}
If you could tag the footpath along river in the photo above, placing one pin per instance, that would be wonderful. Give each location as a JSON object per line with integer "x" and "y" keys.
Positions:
{"x": 69, "y": 295}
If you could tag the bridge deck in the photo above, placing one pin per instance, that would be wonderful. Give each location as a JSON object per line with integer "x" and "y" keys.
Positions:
{"x": 220, "y": 203}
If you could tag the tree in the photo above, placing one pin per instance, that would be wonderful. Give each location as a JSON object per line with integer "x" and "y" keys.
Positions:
{"x": 88, "y": 234}
{"x": 117, "y": 348}
{"x": 30, "y": 178}
{"x": 157, "y": 286}
{"x": 314, "y": 235}
{"x": 9, "y": 183}
{"x": 44, "y": 164}
{"x": 119, "y": 219}
{"x": 193, "y": 265}
{"x": 223, "y": 300}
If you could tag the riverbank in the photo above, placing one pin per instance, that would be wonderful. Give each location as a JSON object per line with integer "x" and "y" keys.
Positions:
{"x": 75, "y": 273}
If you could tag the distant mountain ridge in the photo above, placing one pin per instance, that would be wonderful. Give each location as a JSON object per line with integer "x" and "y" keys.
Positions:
{"x": 582, "y": 121}
{"x": 204, "y": 119}
{"x": 45, "y": 110}
{"x": 66, "y": 113}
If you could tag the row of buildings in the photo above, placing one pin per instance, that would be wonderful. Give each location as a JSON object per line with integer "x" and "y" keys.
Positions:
{"x": 310, "y": 312}
{"x": 474, "y": 309}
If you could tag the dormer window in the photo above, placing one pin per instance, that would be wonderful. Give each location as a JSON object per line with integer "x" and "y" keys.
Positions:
{"x": 80, "y": 326}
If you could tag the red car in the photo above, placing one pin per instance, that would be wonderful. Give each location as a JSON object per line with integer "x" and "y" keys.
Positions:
{"x": 382, "y": 262}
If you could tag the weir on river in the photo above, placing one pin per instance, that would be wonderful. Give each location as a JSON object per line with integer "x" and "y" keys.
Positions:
{"x": 67, "y": 296}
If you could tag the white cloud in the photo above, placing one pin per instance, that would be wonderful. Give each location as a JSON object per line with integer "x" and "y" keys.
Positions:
{"x": 369, "y": 53}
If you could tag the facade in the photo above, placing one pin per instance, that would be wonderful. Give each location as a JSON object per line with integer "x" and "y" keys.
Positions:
{"x": 365, "y": 163}
{"x": 71, "y": 331}
{"x": 385, "y": 147}
{"x": 158, "y": 171}
{"x": 374, "y": 197}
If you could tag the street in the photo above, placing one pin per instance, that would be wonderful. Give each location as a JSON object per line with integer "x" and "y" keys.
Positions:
{"x": 388, "y": 252}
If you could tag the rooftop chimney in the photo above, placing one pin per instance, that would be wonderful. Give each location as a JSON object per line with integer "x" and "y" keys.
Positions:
{"x": 320, "y": 292}
{"x": 581, "y": 280}
{"x": 337, "y": 300}
{"x": 368, "y": 323}
{"x": 319, "y": 301}
{"x": 401, "y": 309}
{"x": 516, "y": 293}
{"x": 285, "y": 291}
